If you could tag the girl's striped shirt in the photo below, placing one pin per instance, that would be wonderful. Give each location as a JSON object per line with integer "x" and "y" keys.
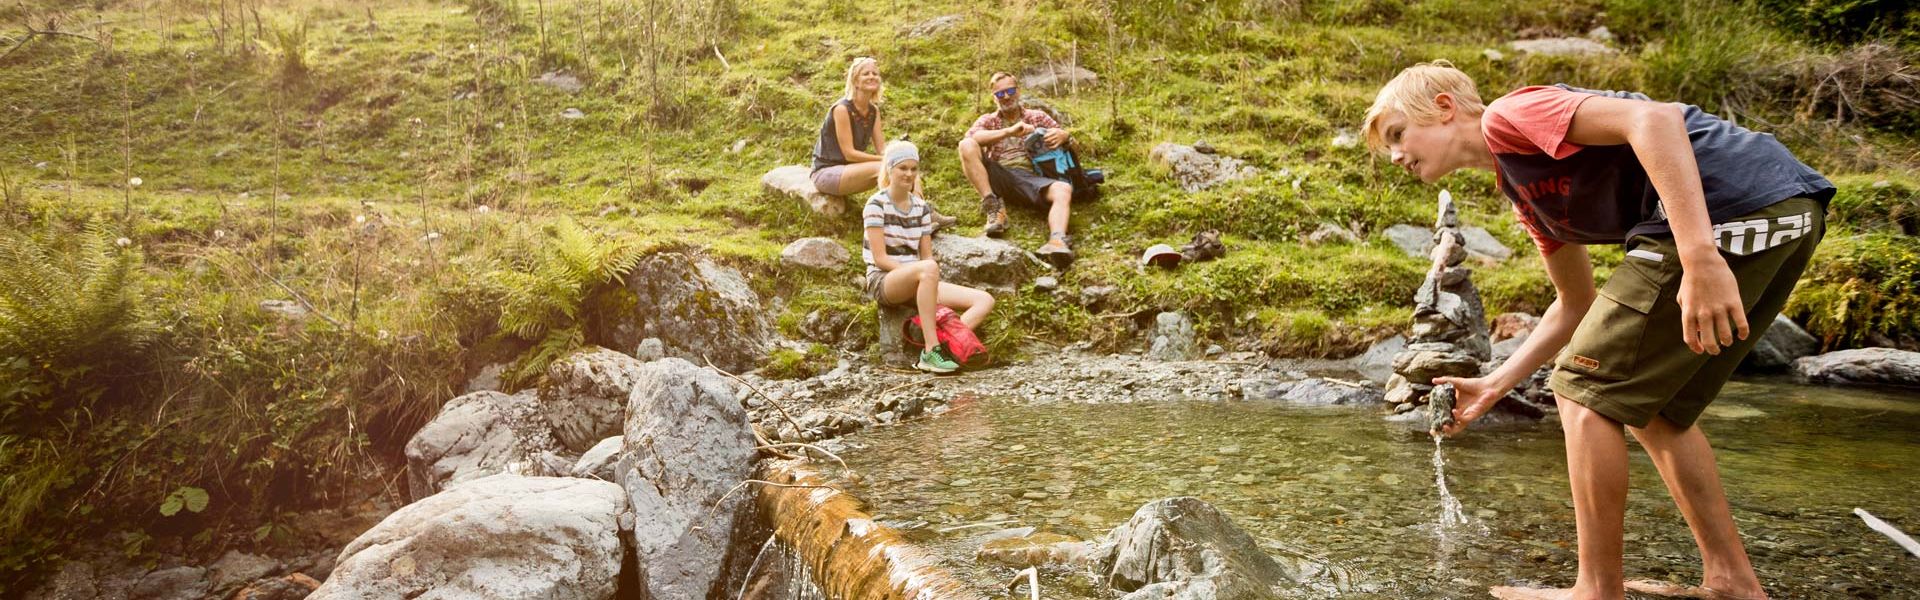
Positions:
{"x": 901, "y": 230}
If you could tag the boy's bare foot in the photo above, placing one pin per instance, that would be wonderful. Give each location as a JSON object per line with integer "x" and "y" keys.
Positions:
{"x": 1667, "y": 589}
{"x": 1504, "y": 592}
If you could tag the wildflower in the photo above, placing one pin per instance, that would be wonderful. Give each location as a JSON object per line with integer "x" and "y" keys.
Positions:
{"x": 483, "y": 209}
{"x": 219, "y": 233}
{"x": 359, "y": 219}
{"x": 431, "y": 236}
{"x": 135, "y": 182}
{"x": 123, "y": 242}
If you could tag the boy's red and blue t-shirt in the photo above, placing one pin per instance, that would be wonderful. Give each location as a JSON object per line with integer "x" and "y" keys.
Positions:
{"x": 1567, "y": 193}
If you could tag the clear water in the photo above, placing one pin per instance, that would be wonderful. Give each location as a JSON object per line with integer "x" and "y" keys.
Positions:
{"x": 1354, "y": 491}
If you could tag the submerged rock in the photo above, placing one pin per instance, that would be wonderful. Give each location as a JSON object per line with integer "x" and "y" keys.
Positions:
{"x": 503, "y": 537}
{"x": 1185, "y": 548}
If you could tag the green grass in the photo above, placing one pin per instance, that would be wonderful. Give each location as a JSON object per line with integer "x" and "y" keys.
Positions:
{"x": 422, "y": 117}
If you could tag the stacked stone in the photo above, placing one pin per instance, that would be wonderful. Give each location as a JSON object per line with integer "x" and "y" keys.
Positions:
{"x": 1449, "y": 323}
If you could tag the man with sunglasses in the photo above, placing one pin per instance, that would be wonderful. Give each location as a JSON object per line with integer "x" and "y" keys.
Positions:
{"x": 996, "y": 160}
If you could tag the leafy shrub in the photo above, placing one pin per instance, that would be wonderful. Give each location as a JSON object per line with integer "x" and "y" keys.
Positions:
{"x": 1860, "y": 286}
{"x": 544, "y": 289}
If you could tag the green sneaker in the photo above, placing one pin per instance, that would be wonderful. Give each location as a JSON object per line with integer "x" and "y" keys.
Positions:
{"x": 935, "y": 361}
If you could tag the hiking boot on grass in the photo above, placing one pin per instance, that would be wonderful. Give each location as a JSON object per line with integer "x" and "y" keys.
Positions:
{"x": 932, "y": 360}
{"x": 1056, "y": 252}
{"x": 996, "y": 211}
{"x": 941, "y": 221}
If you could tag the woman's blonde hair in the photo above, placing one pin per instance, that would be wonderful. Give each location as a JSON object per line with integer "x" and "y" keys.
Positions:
{"x": 853, "y": 70}
{"x": 1411, "y": 93}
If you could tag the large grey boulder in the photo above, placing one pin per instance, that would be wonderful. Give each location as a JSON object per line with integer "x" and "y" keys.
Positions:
{"x": 1377, "y": 362}
{"x": 698, "y": 310}
{"x": 599, "y": 461}
{"x": 1185, "y": 548}
{"x": 934, "y": 26}
{"x": 1566, "y": 46}
{"x": 236, "y": 568}
{"x": 477, "y": 435}
{"x": 1172, "y": 337}
{"x": 687, "y": 443}
{"x": 1058, "y": 78}
{"x": 1783, "y": 343}
{"x": 1329, "y": 392}
{"x": 1861, "y": 366}
{"x": 1195, "y": 170}
{"x": 815, "y": 253}
{"x": 178, "y": 583}
{"x": 1481, "y": 243}
{"x": 586, "y": 396}
{"x": 994, "y": 265}
{"x": 502, "y": 537}
{"x": 796, "y": 181}
{"x": 1411, "y": 239}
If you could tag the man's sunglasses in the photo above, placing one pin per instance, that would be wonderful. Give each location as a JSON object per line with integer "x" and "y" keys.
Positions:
{"x": 1006, "y": 93}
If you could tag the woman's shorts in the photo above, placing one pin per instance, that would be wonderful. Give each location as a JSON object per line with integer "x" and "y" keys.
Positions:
{"x": 827, "y": 180}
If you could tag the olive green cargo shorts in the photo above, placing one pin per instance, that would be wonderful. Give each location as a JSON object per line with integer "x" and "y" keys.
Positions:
{"x": 1628, "y": 361}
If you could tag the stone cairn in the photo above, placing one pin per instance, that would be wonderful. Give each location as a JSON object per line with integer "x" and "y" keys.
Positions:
{"x": 1449, "y": 323}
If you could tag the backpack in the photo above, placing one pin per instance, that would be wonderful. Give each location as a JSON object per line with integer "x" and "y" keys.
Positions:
{"x": 1063, "y": 164}
{"x": 960, "y": 340}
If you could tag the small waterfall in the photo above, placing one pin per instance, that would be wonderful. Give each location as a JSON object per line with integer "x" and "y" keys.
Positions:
{"x": 829, "y": 538}
{"x": 1452, "y": 516}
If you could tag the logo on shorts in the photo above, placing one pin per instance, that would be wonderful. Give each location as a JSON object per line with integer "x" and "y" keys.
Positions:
{"x": 1751, "y": 236}
{"x": 1583, "y": 362}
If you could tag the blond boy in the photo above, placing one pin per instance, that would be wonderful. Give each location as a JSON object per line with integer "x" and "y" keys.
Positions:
{"x": 1719, "y": 222}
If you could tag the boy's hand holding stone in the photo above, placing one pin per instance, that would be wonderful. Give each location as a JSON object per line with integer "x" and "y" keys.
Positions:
{"x": 1711, "y": 314}
{"x": 1472, "y": 398}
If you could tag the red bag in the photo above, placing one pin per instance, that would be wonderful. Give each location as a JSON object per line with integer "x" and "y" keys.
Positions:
{"x": 947, "y": 326}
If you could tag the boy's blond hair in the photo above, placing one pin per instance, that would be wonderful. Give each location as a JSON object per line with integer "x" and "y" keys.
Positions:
{"x": 853, "y": 70}
{"x": 1411, "y": 93}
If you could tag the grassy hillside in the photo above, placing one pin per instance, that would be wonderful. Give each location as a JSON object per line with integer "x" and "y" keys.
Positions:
{"x": 393, "y": 165}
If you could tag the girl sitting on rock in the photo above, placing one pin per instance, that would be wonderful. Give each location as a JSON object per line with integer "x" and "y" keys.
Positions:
{"x": 843, "y": 160}
{"x": 898, "y": 250}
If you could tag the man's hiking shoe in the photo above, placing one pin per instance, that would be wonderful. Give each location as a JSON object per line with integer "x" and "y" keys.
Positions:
{"x": 1056, "y": 252}
{"x": 935, "y": 361}
{"x": 996, "y": 211}
{"x": 942, "y": 221}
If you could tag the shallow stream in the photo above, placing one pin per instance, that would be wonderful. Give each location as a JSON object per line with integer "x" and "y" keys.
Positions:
{"x": 1349, "y": 489}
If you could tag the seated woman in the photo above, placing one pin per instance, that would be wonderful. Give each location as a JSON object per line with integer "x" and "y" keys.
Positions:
{"x": 843, "y": 160}
{"x": 899, "y": 254}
